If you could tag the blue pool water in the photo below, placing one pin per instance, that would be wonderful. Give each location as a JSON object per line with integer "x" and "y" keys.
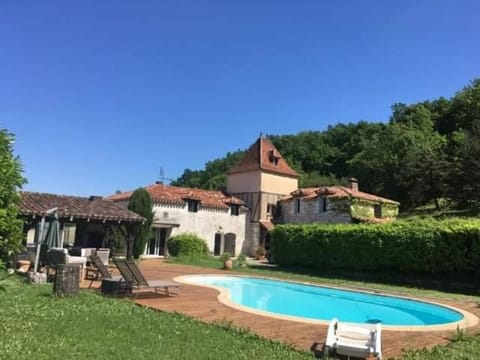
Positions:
{"x": 320, "y": 303}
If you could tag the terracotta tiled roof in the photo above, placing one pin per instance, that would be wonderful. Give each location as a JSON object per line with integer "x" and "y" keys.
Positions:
{"x": 178, "y": 195}
{"x": 336, "y": 192}
{"x": 263, "y": 155}
{"x": 93, "y": 208}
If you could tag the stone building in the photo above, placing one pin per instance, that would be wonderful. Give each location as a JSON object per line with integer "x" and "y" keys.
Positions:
{"x": 334, "y": 205}
{"x": 260, "y": 180}
{"x": 215, "y": 216}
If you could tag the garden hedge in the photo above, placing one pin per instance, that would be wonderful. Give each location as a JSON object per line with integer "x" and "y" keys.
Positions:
{"x": 187, "y": 244}
{"x": 424, "y": 246}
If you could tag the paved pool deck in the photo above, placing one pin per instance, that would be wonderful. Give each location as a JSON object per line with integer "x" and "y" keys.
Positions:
{"x": 202, "y": 303}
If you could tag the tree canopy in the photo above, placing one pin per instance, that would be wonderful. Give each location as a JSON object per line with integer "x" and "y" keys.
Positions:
{"x": 11, "y": 180}
{"x": 425, "y": 151}
{"x": 141, "y": 203}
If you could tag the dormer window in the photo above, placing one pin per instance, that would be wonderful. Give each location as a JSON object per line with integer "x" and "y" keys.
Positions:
{"x": 273, "y": 157}
{"x": 234, "y": 209}
{"x": 193, "y": 205}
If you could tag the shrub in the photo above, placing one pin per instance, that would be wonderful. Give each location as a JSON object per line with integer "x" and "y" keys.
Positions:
{"x": 225, "y": 256}
{"x": 432, "y": 247}
{"x": 261, "y": 251}
{"x": 241, "y": 260}
{"x": 187, "y": 244}
{"x": 141, "y": 203}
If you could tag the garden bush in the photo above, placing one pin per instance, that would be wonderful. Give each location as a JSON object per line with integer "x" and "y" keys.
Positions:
{"x": 187, "y": 244}
{"x": 433, "y": 247}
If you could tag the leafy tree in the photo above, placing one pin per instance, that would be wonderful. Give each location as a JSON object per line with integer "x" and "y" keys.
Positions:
{"x": 11, "y": 180}
{"x": 465, "y": 189}
{"x": 213, "y": 177}
{"x": 140, "y": 203}
{"x": 464, "y": 146}
{"x": 425, "y": 151}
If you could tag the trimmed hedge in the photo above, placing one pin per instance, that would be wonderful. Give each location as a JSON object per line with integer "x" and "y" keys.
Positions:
{"x": 187, "y": 244}
{"x": 427, "y": 246}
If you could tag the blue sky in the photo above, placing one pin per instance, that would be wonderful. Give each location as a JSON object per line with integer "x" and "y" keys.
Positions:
{"x": 101, "y": 94}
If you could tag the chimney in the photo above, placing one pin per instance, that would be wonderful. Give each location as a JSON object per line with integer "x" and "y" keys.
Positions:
{"x": 353, "y": 184}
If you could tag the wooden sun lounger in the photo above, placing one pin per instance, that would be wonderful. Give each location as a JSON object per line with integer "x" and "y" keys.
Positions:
{"x": 132, "y": 274}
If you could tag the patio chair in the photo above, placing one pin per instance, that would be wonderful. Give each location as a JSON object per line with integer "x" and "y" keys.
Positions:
{"x": 358, "y": 340}
{"x": 98, "y": 271}
{"x": 57, "y": 256}
{"x": 134, "y": 276}
{"x": 103, "y": 254}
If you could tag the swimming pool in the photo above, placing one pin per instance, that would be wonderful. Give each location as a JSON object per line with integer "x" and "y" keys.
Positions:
{"x": 311, "y": 302}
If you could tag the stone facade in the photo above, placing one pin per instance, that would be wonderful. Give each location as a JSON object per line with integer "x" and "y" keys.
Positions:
{"x": 312, "y": 211}
{"x": 208, "y": 223}
{"x": 307, "y": 206}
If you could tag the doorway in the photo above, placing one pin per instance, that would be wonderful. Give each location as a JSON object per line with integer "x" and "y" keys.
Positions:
{"x": 157, "y": 244}
{"x": 217, "y": 246}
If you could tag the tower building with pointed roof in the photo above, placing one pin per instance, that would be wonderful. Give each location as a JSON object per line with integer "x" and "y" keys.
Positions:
{"x": 261, "y": 179}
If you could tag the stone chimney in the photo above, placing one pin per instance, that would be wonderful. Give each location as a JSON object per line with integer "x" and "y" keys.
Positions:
{"x": 353, "y": 184}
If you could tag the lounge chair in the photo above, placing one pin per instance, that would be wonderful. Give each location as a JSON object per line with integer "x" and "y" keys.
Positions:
{"x": 99, "y": 271}
{"x": 132, "y": 274}
{"x": 358, "y": 340}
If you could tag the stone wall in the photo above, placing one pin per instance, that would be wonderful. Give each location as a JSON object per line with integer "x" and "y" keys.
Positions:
{"x": 252, "y": 238}
{"x": 337, "y": 212}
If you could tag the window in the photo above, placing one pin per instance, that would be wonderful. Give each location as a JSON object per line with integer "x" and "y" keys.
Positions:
{"x": 271, "y": 208}
{"x": 193, "y": 205}
{"x": 296, "y": 206}
{"x": 234, "y": 209}
{"x": 323, "y": 204}
{"x": 273, "y": 157}
{"x": 377, "y": 211}
{"x": 69, "y": 234}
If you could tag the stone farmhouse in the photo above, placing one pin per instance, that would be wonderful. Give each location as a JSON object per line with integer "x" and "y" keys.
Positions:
{"x": 215, "y": 216}
{"x": 334, "y": 205}
{"x": 262, "y": 189}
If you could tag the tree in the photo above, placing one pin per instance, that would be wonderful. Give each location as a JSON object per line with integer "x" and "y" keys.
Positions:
{"x": 140, "y": 203}
{"x": 11, "y": 181}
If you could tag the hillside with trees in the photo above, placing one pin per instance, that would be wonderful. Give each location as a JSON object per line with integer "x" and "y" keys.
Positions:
{"x": 425, "y": 152}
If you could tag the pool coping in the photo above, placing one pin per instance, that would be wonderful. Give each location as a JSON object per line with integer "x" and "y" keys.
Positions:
{"x": 469, "y": 319}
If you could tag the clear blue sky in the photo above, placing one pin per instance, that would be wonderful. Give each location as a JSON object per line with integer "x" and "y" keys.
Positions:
{"x": 100, "y": 94}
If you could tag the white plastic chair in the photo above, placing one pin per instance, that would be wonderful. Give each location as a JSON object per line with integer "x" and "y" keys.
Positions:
{"x": 103, "y": 254}
{"x": 358, "y": 340}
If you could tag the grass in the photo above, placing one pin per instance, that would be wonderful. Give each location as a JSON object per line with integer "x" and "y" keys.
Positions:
{"x": 36, "y": 324}
{"x": 307, "y": 275}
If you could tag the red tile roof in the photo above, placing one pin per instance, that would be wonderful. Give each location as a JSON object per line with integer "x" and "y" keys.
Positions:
{"x": 93, "y": 208}
{"x": 263, "y": 155}
{"x": 178, "y": 195}
{"x": 336, "y": 192}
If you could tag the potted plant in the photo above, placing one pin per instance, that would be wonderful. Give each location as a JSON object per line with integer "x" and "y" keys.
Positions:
{"x": 227, "y": 261}
{"x": 261, "y": 252}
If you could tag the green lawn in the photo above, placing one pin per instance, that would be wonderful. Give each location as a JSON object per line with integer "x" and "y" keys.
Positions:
{"x": 34, "y": 324}
{"x": 37, "y": 325}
